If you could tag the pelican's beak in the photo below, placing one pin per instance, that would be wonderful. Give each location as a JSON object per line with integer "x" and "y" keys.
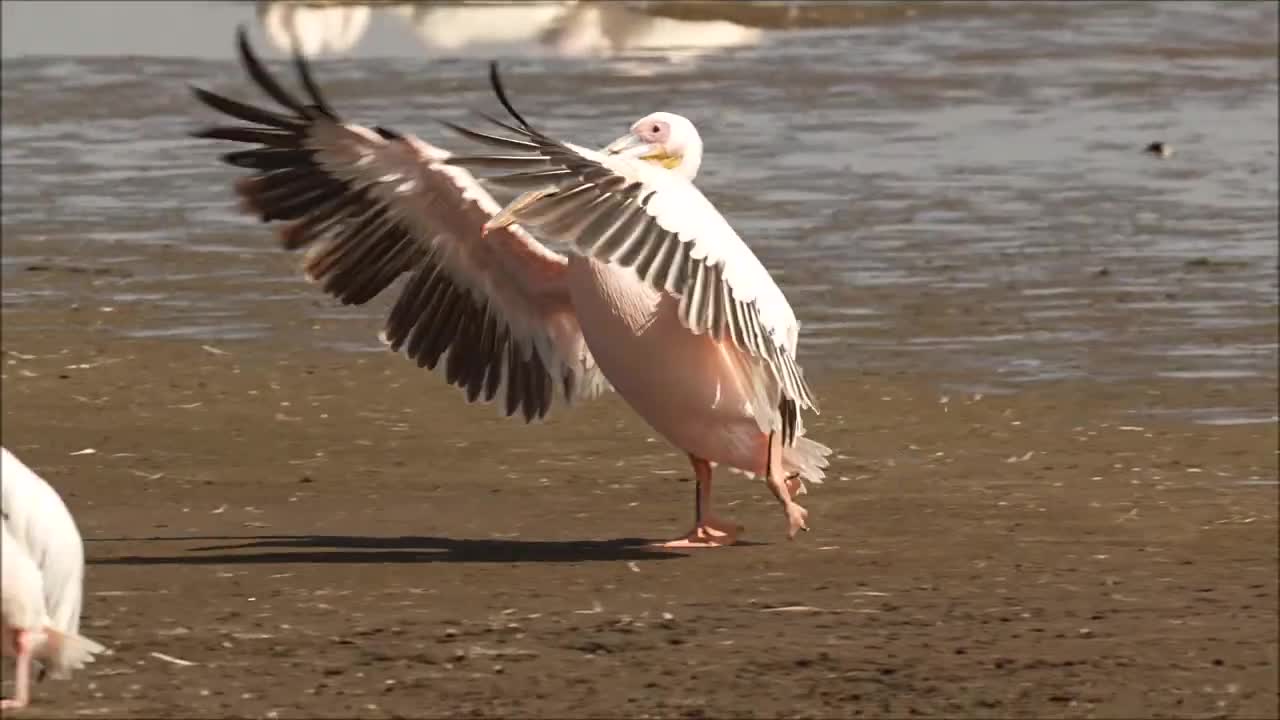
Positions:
{"x": 632, "y": 146}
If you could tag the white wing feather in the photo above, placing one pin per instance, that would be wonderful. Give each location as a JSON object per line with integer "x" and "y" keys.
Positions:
{"x": 38, "y": 520}
{"x": 23, "y": 587}
{"x": 679, "y": 206}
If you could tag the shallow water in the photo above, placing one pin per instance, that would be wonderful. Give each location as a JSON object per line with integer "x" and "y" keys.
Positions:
{"x": 950, "y": 185}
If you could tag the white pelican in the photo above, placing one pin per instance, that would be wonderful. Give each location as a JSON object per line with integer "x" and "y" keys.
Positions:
{"x": 569, "y": 29}
{"x": 603, "y": 29}
{"x": 312, "y": 29}
{"x": 43, "y": 577}
{"x": 658, "y": 294}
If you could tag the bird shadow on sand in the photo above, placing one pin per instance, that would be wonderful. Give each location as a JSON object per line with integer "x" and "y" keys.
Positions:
{"x": 322, "y": 549}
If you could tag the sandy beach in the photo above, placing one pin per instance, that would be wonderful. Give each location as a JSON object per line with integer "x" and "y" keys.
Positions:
{"x": 326, "y": 536}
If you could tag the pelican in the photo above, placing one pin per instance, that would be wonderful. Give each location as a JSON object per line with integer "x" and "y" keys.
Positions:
{"x": 656, "y": 297}
{"x": 314, "y": 29}
{"x": 43, "y": 576}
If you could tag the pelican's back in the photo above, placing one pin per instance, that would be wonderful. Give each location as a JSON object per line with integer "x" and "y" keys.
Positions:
{"x": 39, "y": 522}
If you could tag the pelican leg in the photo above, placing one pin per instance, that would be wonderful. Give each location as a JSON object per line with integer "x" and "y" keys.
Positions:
{"x": 784, "y": 488}
{"x": 23, "y": 646}
{"x": 708, "y": 530}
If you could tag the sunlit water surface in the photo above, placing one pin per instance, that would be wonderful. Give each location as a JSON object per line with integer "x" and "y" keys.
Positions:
{"x": 962, "y": 183}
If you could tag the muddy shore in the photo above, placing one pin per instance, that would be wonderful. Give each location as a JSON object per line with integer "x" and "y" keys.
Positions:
{"x": 329, "y": 534}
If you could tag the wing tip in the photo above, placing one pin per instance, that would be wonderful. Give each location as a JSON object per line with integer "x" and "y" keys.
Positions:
{"x": 207, "y": 97}
{"x": 201, "y": 133}
{"x": 495, "y": 81}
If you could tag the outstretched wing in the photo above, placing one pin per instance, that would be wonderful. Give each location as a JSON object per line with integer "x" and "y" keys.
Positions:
{"x": 638, "y": 215}
{"x": 492, "y": 310}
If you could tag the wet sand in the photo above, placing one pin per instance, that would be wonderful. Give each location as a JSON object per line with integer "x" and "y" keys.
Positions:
{"x": 332, "y": 534}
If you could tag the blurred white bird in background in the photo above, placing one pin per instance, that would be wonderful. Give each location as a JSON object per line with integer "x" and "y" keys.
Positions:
{"x": 481, "y": 28}
{"x": 603, "y": 29}
{"x": 314, "y": 29}
{"x": 568, "y": 28}
{"x": 658, "y": 294}
{"x": 43, "y": 580}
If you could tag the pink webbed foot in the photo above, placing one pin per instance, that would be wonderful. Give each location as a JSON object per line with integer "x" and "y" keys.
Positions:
{"x": 723, "y": 526}
{"x": 785, "y": 489}
{"x": 708, "y": 531}
{"x": 701, "y": 536}
{"x": 797, "y": 520}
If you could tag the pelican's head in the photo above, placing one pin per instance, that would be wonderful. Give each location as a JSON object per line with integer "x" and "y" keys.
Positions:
{"x": 665, "y": 139}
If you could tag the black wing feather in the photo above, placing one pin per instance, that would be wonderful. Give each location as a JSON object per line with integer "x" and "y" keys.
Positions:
{"x": 360, "y": 245}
